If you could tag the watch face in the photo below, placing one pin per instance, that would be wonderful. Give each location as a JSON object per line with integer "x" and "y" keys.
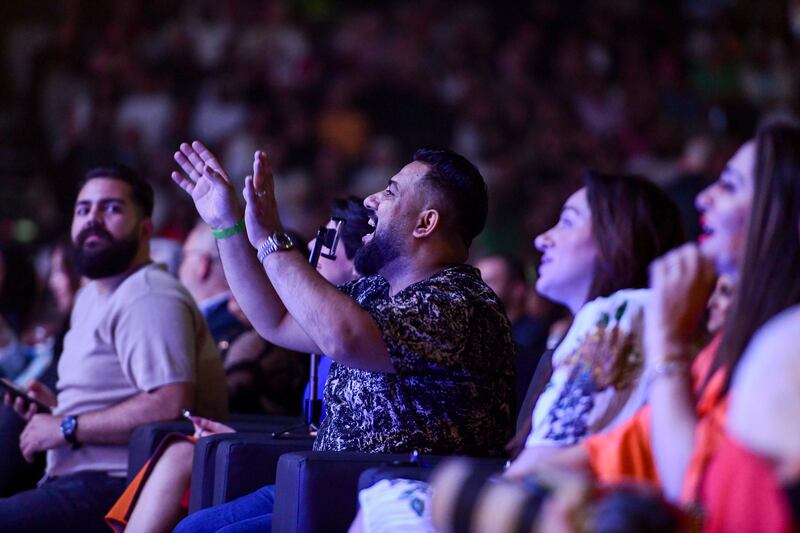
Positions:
{"x": 68, "y": 425}
{"x": 283, "y": 241}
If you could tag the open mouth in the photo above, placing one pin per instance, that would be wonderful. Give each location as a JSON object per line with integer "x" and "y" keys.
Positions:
{"x": 544, "y": 262}
{"x": 706, "y": 231}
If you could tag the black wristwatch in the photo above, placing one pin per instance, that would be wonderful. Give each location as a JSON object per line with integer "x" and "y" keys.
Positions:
{"x": 69, "y": 428}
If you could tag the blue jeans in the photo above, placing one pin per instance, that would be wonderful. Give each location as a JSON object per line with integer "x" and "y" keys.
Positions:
{"x": 249, "y": 513}
{"x": 77, "y": 502}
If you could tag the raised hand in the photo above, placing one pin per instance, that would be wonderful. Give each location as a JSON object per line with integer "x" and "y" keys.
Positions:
{"x": 261, "y": 213}
{"x": 208, "y": 185}
{"x": 680, "y": 283}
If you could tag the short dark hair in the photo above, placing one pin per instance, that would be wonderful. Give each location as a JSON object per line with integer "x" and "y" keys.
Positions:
{"x": 142, "y": 192}
{"x": 356, "y": 222}
{"x": 461, "y": 186}
{"x": 633, "y": 223}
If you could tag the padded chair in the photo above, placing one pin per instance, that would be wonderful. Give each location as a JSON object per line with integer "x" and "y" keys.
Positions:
{"x": 146, "y": 437}
{"x": 231, "y": 465}
{"x": 318, "y": 491}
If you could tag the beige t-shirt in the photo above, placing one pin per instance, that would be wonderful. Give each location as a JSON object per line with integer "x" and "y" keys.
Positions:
{"x": 147, "y": 333}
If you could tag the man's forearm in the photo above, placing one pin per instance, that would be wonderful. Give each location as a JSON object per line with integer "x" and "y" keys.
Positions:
{"x": 115, "y": 424}
{"x": 334, "y": 321}
{"x": 251, "y": 288}
{"x": 257, "y": 297}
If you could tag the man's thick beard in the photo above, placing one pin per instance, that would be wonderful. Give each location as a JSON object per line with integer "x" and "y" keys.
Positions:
{"x": 104, "y": 261}
{"x": 376, "y": 254}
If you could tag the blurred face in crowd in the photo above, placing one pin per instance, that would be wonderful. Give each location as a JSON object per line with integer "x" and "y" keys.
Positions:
{"x": 569, "y": 253}
{"x": 338, "y": 271}
{"x": 719, "y": 302}
{"x": 725, "y": 209}
{"x": 60, "y": 281}
{"x": 393, "y": 212}
{"x": 199, "y": 256}
{"x": 107, "y": 228}
{"x": 495, "y": 274}
{"x": 513, "y": 292}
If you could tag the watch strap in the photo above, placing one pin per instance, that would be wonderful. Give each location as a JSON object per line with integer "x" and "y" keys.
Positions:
{"x": 69, "y": 429}
{"x": 274, "y": 243}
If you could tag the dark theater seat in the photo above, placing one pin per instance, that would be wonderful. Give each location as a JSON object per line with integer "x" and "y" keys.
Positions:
{"x": 318, "y": 491}
{"x": 230, "y": 465}
{"x": 145, "y": 438}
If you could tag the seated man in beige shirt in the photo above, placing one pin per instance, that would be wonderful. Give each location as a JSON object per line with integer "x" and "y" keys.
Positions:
{"x": 138, "y": 351}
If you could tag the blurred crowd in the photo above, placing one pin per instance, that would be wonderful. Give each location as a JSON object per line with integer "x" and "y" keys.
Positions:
{"x": 340, "y": 94}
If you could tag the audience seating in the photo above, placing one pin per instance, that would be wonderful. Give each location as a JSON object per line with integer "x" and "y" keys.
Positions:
{"x": 318, "y": 491}
{"x": 145, "y": 438}
{"x": 231, "y": 465}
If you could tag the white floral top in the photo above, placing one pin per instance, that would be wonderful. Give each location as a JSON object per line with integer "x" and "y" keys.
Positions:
{"x": 595, "y": 383}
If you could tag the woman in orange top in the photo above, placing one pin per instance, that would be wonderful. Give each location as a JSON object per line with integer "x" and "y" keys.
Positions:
{"x": 670, "y": 441}
{"x": 748, "y": 483}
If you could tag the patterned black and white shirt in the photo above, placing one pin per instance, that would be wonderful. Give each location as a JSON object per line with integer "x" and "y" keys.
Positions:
{"x": 450, "y": 343}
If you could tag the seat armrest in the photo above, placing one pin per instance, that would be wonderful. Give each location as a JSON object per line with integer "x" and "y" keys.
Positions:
{"x": 145, "y": 438}
{"x": 318, "y": 491}
{"x": 230, "y": 465}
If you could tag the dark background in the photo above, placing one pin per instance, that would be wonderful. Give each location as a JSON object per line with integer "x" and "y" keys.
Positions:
{"x": 339, "y": 94}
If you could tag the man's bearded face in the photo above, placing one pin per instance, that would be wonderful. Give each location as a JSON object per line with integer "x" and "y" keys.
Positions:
{"x": 99, "y": 255}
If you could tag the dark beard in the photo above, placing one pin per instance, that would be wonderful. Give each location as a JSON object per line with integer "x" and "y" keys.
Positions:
{"x": 376, "y": 254}
{"x": 104, "y": 260}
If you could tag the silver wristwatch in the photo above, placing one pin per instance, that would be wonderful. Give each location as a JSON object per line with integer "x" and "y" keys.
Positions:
{"x": 274, "y": 243}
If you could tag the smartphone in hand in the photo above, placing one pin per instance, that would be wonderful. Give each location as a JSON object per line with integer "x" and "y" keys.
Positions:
{"x": 10, "y": 387}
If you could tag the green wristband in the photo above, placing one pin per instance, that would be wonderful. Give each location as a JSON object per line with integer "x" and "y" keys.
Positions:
{"x": 228, "y": 232}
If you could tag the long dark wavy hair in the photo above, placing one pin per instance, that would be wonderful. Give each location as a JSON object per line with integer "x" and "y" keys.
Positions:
{"x": 633, "y": 222}
{"x": 769, "y": 273}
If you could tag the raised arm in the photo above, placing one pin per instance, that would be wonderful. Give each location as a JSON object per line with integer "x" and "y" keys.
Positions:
{"x": 335, "y": 322}
{"x": 213, "y": 195}
{"x": 681, "y": 282}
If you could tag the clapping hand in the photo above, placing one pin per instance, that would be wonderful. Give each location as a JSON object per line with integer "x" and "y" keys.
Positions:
{"x": 208, "y": 185}
{"x": 261, "y": 214}
{"x": 215, "y": 199}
